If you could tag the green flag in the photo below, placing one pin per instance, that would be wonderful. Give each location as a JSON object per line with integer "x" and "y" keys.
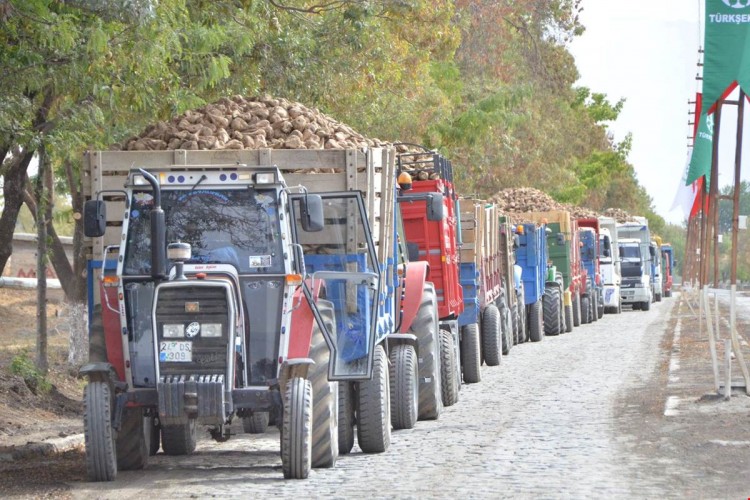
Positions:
{"x": 726, "y": 60}
{"x": 700, "y": 160}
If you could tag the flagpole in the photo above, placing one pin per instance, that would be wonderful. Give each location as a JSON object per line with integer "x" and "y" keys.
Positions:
{"x": 713, "y": 209}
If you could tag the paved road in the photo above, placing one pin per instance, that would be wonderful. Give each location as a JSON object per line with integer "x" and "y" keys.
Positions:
{"x": 551, "y": 422}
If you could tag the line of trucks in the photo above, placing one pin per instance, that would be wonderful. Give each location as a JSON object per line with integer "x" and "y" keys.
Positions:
{"x": 335, "y": 294}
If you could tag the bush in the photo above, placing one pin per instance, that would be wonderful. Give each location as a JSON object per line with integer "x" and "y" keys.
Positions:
{"x": 25, "y": 368}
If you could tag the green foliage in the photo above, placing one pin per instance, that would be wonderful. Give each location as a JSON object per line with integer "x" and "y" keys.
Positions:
{"x": 25, "y": 368}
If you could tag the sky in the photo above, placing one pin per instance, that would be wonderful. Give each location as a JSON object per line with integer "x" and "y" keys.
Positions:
{"x": 646, "y": 52}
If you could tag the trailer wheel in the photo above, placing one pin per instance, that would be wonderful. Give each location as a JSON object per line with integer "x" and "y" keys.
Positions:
{"x": 645, "y": 306}
{"x": 576, "y": 309}
{"x": 325, "y": 433}
{"x": 493, "y": 345}
{"x": 569, "y": 318}
{"x": 448, "y": 368}
{"x": 101, "y": 462}
{"x": 374, "y": 408}
{"x": 536, "y": 322}
{"x": 179, "y": 439}
{"x": 470, "y": 353}
{"x": 132, "y": 445}
{"x": 585, "y": 310}
{"x": 427, "y": 330}
{"x": 97, "y": 345}
{"x": 404, "y": 384}
{"x": 551, "y": 310}
{"x": 346, "y": 417}
{"x": 296, "y": 429}
{"x": 257, "y": 423}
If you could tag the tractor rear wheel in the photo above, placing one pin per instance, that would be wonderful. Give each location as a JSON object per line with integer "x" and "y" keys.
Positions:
{"x": 585, "y": 310}
{"x": 448, "y": 368}
{"x": 426, "y": 328}
{"x": 492, "y": 336}
{"x": 296, "y": 429}
{"x": 551, "y": 310}
{"x": 404, "y": 383}
{"x": 569, "y": 318}
{"x": 373, "y": 407}
{"x": 346, "y": 417}
{"x": 470, "y": 354}
{"x": 325, "y": 432}
{"x": 179, "y": 439}
{"x": 536, "y": 325}
{"x": 101, "y": 461}
{"x": 133, "y": 440}
{"x": 576, "y": 309}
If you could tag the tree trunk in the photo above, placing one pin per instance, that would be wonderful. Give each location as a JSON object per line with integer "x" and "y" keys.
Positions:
{"x": 43, "y": 215}
{"x": 13, "y": 191}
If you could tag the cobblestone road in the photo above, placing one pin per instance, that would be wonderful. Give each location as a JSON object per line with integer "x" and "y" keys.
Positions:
{"x": 550, "y": 422}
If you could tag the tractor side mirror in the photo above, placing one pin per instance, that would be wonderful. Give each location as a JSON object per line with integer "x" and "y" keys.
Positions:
{"x": 311, "y": 213}
{"x": 435, "y": 207}
{"x": 94, "y": 218}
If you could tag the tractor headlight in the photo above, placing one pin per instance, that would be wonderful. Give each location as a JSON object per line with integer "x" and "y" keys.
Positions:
{"x": 173, "y": 331}
{"x": 211, "y": 330}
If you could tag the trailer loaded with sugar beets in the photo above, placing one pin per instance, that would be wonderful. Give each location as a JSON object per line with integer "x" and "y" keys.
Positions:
{"x": 225, "y": 290}
{"x": 531, "y": 255}
{"x": 484, "y": 296}
{"x": 437, "y": 243}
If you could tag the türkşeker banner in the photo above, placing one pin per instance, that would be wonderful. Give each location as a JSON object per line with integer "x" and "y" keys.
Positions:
{"x": 726, "y": 63}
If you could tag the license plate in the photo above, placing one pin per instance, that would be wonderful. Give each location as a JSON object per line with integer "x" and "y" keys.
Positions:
{"x": 175, "y": 351}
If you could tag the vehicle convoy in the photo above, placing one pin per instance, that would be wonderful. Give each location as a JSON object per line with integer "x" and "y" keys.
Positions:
{"x": 637, "y": 285}
{"x": 609, "y": 264}
{"x": 588, "y": 234}
{"x": 437, "y": 243}
{"x": 531, "y": 255}
{"x": 667, "y": 268}
{"x": 228, "y": 291}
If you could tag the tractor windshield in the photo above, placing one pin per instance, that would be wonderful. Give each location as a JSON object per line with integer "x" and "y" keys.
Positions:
{"x": 239, "y": 227}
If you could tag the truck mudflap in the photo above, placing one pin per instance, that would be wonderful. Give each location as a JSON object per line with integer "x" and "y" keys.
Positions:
{"x": 611, "y": 296}
{"x": 183, "y": 397}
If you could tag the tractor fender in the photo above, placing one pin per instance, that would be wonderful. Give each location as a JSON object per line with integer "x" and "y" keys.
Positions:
{"x": 112, "y": 329}
{"x": 402, "y": 338}
{"x": 301, "y": 328}
{"x": 98, "y": 372}
{"x": 415, "y": 276}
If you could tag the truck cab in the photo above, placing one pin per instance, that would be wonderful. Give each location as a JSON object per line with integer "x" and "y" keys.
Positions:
{"x": 609, "y": 264}
{"x": 667, "y": 266}
{"x": 636, "y": 283}
{"x": 656, "y": 275}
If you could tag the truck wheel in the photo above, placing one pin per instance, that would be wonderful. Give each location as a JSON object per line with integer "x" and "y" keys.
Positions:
{"x": 536, "y": 325}
{"x": 585, "y": 310}
{"x": 600, "y": 306}
{"x": 296, "y": 429}
{"x": 448, "y": 369}
{"x": 569, "y": 318}
{"x": 594, "y": 316}
{"x": 179, "y": 439}
{"x": 101, "y": 462}
{"x": 346, "y": 417}
{"x": 493, "y": 345}
{"x": 506, "y": 319}
{"x": 404, "y": 384}
{"x": 470, "y": 353}
{"x": 426, "y": 328}
{"x": 551, "y": 310}
{"x": 374, "y": 408}
{"x": 154, "y": 435}
{"x": 325, "y": 433}
{"x": 645, "y": 306}
{"x": 133, "y": 440}
{"x": 97, "y": 345}
{"x": 576, "y": 309}
{"x": 257, "y": 423}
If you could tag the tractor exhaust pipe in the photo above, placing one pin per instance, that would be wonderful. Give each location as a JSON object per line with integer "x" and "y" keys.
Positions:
{"x": 158, "y": 231}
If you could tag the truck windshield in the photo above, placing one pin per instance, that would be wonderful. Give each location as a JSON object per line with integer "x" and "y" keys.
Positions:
{"x": 239, "y": 227}
{"x": 630, "y": 252}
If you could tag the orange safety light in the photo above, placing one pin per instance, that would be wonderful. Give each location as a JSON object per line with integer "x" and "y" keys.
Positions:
{"x": 519, "y": 229}
{"x": 405, "y": 181}
{"x": 293, "y": 279}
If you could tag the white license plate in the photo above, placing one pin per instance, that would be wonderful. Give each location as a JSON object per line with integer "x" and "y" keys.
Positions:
{"x": 175, "y": 351}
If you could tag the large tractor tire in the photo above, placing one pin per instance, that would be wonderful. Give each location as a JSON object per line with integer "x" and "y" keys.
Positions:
{"x": 325, "y": 432}
{"x": 576, "y": 300}
{"x": 569, "y": 318}
{"x": 585, "y": 310}
{"x": 98, "y": 404}
{"x": 448, "y": 369}
{"x": 404, "y": 383}
{"x": 347, "y": 404}
{"x": 97, "y": 346}
{"x": 374, "y": 408}
{"x": 493, "y": 343}
{"x": 133, "y": 440}
{"x": 296, "y": 429}
{"x": 471, "y": 359}
{"x": 551, "y": 310}
{"x": 257, "y": 423}
{"x": 426, "y": 328}
{"x": 179, "y": 439}
{"x": 536, "y": 322}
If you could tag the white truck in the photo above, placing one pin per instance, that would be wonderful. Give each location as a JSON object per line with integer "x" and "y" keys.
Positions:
{"x": 637, "y": 286}
{"x": 609, "y": 264}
